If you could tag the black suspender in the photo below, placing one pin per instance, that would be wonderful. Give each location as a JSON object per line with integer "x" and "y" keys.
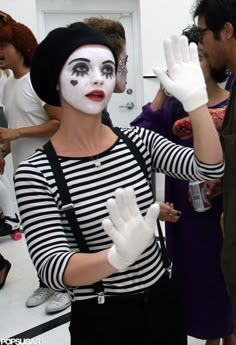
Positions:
{"x": 139, "y": 158}
{"x": 68, "y": 208}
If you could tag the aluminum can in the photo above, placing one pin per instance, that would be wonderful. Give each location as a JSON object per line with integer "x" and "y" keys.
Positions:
{"x": 198, "y": 194}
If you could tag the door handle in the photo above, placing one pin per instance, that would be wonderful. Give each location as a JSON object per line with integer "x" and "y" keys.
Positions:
{"x": 129, "y": 105}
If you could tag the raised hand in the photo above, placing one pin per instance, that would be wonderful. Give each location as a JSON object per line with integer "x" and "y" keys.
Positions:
{"x": 130, "y": 232}
{"x": 185, "y": 80}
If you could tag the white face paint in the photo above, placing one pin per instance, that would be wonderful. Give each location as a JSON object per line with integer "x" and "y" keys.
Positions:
{"x": 87, "y": 79}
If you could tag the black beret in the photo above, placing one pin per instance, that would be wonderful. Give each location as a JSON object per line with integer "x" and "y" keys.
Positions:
{"x": 52, "y": 53}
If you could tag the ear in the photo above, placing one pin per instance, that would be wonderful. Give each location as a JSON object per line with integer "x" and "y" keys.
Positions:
{"x": 228, "y": 30}
{"x": 57, "y": 87}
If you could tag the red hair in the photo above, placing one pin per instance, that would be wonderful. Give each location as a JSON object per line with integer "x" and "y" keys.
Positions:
{"x": 19, "y": 35}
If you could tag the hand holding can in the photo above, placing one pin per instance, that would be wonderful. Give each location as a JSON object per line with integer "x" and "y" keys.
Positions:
{"x": 200, "y": 200}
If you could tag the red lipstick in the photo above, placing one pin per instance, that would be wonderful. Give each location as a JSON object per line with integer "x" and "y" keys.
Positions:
{"x": 96, "y": 95}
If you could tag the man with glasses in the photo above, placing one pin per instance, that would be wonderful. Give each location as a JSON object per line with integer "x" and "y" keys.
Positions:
{"x": 217, "y": 36}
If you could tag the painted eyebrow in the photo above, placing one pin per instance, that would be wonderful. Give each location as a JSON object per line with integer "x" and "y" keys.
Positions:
{"x": 79, "y": 59}
{"x": 87, "y": 60}
{"x": 109, "y": 61}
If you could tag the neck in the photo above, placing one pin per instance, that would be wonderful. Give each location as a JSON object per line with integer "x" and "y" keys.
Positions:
{"x": 81, "y": 135}
{"x": 20, "y": 71}
{"x": 215, "y": 93}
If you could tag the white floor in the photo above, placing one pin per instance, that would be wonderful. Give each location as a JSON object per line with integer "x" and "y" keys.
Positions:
{"x": 15, "y": 318}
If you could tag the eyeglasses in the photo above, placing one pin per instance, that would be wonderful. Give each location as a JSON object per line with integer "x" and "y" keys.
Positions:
{"x": 200, "y": 33}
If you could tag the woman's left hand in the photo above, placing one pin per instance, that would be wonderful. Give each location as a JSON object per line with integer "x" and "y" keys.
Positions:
{"x": 168, "y": 212}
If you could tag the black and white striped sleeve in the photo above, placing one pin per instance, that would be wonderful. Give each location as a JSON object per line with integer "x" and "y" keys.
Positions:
{"x": 42, "y": 223}
{"x": 176, "y": 160}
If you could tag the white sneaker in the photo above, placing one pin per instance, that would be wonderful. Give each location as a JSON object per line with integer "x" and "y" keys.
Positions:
{"x": 39, "y": 296}
{"x": 58, "y": 301}
{"x": 14, "y": 222}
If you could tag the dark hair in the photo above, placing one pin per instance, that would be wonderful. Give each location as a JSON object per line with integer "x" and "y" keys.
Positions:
{"x": 191, "y": 32}
{"x": 216, "y": 13}
{"x": 219, "y": 75}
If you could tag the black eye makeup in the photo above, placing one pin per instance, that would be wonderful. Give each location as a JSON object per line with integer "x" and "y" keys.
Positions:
{"x": 108, "y": 71}
{"x": 80, "y": 69}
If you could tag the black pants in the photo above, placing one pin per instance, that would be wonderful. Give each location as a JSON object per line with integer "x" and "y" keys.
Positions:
{"x": 153, "y": 318}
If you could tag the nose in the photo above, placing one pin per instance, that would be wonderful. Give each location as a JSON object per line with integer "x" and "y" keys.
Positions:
{"x": 98, "y": 78}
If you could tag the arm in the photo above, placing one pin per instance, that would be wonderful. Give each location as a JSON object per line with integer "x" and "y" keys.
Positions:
{"x": 206, "y": 142}
{"x": 86, "y": 269}
{"x": 45, "y": 232}
{"x": 46, "y": 129}
{"x": 45, "y": 236}
{"x": 176, "y": 160}
{"x": 158, "y": 100}
{"x": 2, "y": 162}
{"x": 5, "y": 148}
{"x": 154, "y": 115}
{"x": 186, "y": 83}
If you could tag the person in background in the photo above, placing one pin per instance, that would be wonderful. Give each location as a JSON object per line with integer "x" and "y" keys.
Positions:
{"x": 5, "y": 201}
{"x": 216, "y": 23}
{"x": 9, "y": 220}
{"x": 110, "y": 194}
{"x": 114, "y": 32}
{"x": 194, "y": 242}
{"x": 30, "y": 120}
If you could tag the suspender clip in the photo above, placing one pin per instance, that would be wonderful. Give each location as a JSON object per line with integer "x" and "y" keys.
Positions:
{"x": 101, "y": 297}
{"x": 169, "y": 270}
{"x": 67, "y": 207}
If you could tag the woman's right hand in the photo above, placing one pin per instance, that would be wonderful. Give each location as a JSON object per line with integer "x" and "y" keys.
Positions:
{"x": 130, "y": 232}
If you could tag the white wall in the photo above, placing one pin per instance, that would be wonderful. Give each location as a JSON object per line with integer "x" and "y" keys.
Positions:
{"x": 23, "y": 11}
{"x": 159, "y": 18}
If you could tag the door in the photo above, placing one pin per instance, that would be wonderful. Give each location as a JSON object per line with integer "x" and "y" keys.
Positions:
{"x": 123, "y": 108}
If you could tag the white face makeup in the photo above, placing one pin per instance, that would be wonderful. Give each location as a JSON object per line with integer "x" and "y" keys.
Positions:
{"x": 121, "y": 74}
{"x": 87, "y": 79}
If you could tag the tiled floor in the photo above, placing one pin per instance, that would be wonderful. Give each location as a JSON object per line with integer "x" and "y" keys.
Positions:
{"x": 15, "y": 318}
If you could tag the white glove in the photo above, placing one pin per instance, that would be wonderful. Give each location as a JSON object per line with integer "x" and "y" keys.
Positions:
{"x": 129, "y": 231}
{"x": 185, "y": 80}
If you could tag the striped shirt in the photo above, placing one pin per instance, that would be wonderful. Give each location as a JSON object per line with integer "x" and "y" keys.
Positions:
{"x": 51, "y": 242}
